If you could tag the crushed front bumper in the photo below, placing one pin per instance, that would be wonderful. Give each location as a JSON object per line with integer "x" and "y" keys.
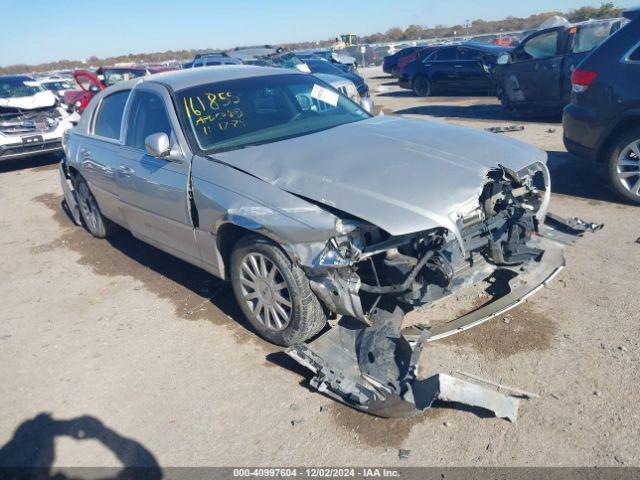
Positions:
{"x": 374, "y": 369}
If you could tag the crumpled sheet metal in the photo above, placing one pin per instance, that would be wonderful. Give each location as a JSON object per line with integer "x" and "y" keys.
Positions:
{"x": 333, "y": 360}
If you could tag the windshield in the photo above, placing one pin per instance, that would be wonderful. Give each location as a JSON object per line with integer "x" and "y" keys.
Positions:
{"x": 252, "y": 111}
{"x": 17, "y": 87}
{"x": 57, "y": 85}
{"x": 112, "y": 75}
{"x": 322, "y": 66}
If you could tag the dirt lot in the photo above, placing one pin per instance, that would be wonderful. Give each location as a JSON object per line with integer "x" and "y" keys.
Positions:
{"x": 151, "y": 360}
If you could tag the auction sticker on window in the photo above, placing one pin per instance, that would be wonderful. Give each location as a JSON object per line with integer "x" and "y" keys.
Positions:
{"x": 324, "y": 95}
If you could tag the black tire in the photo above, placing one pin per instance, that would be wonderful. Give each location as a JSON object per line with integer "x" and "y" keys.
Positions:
{"x": 306, "y": 316}
{"x": 92, "y": 218}
{"x": 625, "y": 179}
{"x": 421, "y": 87}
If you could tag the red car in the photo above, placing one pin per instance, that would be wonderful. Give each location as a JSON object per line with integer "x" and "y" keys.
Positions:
{"x": 104, "y": 77}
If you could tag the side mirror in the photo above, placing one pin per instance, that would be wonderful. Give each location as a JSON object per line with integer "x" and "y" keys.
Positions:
{"x": 504, "y": 59}
{"x": 94, "y": 88}
{"x": 366, "y": 103}
{"x": 158, "y": 145}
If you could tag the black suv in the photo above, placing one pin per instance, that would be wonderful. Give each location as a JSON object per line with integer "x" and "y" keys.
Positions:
{"x": 602, "y": 122}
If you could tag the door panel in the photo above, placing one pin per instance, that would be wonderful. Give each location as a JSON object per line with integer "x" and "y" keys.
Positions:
{"x": 535, "y": 74}
{"x": 98, "y": 160}
{"x": 153, "y": 195}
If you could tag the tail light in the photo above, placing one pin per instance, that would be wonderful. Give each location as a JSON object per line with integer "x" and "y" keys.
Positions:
{"x": 582, "y": 79}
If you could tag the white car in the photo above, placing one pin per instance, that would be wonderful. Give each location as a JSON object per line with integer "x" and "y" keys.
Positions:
{"x": 57, "y": 85}
{"x": 32, "y": 122}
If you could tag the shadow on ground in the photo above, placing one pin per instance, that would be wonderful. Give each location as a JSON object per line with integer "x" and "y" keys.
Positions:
{"x": 475, "y": 112}
{"x": 578, "y": 177}
{"x": 31, "y": 451}
{"x": 30, "y": 162}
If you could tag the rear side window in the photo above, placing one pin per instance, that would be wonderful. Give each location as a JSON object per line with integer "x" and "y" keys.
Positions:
{"x": 147, "y": 116}
{"x": 109, "y": 116}
{"x": 542, "y": 46}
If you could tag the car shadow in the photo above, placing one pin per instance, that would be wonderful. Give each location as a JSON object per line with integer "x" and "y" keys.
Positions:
{"x": 30, "y": 453}
{"x": 578, "y": 177}
{"x": 476, "y": 112}
{"x": 29, "y": 162}
{"x": 202, "y": 283}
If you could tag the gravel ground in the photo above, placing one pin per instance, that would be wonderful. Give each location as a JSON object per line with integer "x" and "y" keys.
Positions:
{"x": 113, "y": 352}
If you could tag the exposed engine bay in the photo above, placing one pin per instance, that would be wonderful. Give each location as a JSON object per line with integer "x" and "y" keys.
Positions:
{"x": 17, "y": 121}
{"x": 374, "y": 278}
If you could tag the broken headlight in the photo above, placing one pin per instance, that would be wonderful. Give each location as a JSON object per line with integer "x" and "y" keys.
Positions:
{"x": 343, "y": 250}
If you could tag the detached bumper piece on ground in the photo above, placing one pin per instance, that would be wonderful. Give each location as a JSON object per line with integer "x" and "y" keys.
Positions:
{"x": 374, "y": 369}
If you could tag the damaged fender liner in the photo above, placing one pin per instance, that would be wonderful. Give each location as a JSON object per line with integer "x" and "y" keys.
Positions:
{"x": 374, "y": 369}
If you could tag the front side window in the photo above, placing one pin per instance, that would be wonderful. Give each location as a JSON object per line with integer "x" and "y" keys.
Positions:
{"x": 109, "y": 117}
{"x": 147, "y": 116}
{"x": 446, "y": 54}
{"x": 589, "y": 37}
{"x": 252, "y": 111}
{"x": 469, "y": 54}
{"x": 540, "y": 47}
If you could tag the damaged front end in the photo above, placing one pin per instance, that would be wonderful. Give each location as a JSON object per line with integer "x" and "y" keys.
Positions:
{"x": 368, "y": 361}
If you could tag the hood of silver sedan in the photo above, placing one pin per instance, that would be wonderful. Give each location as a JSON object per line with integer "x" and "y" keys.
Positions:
{"x": 402, "y": 175}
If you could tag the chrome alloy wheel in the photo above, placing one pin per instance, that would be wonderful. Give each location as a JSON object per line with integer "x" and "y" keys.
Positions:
{"x": 88, "y": 207}
{"x": 264, "y": 289}
{"x": 628, "y": 168}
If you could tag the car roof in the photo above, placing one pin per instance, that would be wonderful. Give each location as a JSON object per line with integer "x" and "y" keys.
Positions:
{"x": 485, "y": 48}
{"x": 180, "y": 79}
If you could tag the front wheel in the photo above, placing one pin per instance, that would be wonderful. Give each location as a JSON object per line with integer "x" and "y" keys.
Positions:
{"x": 274, "y": 293}
{"x": 624, "y": 166}
{"x": 422, "y": 87}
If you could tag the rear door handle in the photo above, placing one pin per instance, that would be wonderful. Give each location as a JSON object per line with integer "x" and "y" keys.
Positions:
{"x": 458, "y": 66}
{"x": 125, "y": 171}
{"x": 84, "y": 152}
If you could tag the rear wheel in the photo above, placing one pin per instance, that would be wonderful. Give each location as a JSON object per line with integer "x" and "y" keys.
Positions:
{"x": 422, "y": 87}
{"x": 94, "y": 221}
{"x": 274, "y": 293}
{"x": 624, "y": 166}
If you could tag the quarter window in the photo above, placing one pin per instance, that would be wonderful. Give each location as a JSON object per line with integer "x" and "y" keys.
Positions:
{"x": 635, "y": 56}
{"x": 147, "y": 116}
{"x": 542, "y": 46}
{"x": 109, "y": 116}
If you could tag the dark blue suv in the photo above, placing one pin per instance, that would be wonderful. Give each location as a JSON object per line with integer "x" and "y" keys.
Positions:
{"x": 602, "y": 122}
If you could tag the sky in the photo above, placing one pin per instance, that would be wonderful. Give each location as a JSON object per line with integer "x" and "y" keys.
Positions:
{"x": 36, "y": 31}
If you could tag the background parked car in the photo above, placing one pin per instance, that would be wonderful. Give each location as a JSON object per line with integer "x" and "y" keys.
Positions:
{"x": 390, "y": 62}
{"x": 417, "y": 55}
{"x": 341, "y": 61}
{"x": 319, "y": 65}
{"x": 214, "y": 58}
{"x": 31, "y": 120}
{"x": 602, "y": 122}
{"x": 90, "y": 83}
{"x": 57, "y": 85}
{"x": 464, "y": 68}
{"x": 536, "y": 76}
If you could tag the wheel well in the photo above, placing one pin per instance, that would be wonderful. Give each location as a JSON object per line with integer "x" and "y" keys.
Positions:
{"x": 622, "y": 127}
{"x": 229, "y": 234}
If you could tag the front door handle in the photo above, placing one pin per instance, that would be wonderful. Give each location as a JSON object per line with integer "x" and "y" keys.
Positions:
{"x": 458, "y": 66}
{"x": 84, "y": 152}
{"x": 125, "y": 171}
